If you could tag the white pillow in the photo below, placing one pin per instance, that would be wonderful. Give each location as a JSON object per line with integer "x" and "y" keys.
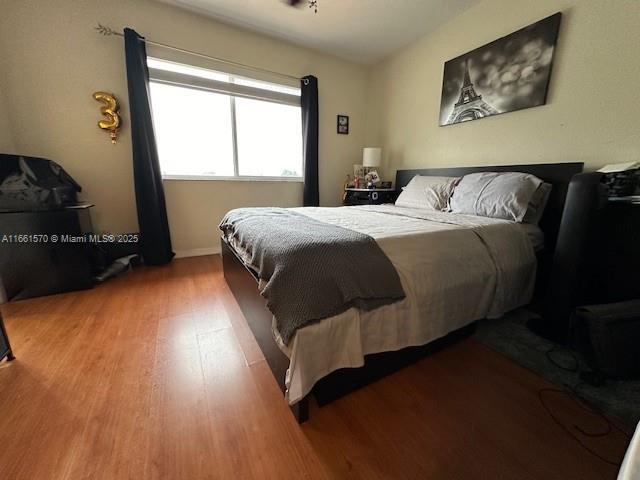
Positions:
{"x": 496, "y": 195}
{"x": 430, "y": 193}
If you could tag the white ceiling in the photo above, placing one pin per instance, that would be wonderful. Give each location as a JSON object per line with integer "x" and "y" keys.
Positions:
{"x": 363, "y": 31}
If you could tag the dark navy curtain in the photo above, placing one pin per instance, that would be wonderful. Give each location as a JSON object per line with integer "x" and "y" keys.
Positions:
{"x": 309, "y": 103}
{"x": 152, "y": 211}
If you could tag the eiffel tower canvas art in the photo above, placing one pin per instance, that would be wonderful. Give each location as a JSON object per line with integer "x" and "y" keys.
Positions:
{"x": 470, "y": 104}
{"x": 508, "y": 74}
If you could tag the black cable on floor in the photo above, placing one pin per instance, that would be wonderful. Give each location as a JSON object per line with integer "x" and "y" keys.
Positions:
{"x": 573, "y": 394}
{"x": 544, "y": 404}
{"x": 572, "y": 368}
{"x": 589, "y": 407}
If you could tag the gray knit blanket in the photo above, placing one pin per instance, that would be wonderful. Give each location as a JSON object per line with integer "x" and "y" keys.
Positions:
{"x": 310, "y": 269}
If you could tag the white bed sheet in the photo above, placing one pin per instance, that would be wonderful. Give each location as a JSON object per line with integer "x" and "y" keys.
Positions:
{"x": 630, "y": 468}
{"x": 535, "y": 234}
{"x": 454, "y": 269}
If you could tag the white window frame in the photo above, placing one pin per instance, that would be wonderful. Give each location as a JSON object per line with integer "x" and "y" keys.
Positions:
{"x": 233, "y": 90}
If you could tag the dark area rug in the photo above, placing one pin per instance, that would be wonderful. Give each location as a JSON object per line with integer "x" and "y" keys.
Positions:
{"x": 510, "y": 336}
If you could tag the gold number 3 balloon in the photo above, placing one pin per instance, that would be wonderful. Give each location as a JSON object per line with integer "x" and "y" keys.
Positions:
{"x": 110, "y": 111}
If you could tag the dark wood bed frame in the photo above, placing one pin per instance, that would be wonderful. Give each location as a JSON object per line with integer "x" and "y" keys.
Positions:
{"x": 243, "y": 284}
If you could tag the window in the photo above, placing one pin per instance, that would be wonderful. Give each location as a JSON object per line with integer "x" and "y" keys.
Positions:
{"x": 216, "y": 125}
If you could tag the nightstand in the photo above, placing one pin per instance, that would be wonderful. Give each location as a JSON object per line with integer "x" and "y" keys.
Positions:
{"x": 369, "y": 196}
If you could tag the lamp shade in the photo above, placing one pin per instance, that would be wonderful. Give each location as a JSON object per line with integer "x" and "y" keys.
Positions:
{"x": 371, "y": 157}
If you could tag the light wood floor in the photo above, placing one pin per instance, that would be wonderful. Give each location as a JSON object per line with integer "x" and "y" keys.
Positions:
{"x": 156, "y": 375}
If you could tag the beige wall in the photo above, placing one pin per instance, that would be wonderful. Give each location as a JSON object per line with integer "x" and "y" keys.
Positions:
{"x": 7, "y": 143}
{"x": 56, "y": 60}
{"x": 592, "y": 109}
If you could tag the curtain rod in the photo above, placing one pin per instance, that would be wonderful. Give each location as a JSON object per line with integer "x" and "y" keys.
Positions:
{"x": 108, "y": 31}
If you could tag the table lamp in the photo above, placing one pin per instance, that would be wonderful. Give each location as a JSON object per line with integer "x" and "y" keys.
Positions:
{"x": 371, "y": 157}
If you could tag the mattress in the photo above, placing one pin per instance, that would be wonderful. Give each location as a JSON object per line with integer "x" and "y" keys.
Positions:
{"x": 454, "y": 269}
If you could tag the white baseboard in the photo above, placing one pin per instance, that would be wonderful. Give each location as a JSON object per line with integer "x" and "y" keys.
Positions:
{"x": 197, "y": 252}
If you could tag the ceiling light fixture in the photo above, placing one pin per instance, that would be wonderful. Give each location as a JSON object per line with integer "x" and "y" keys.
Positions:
{"x": 299, "y": 3}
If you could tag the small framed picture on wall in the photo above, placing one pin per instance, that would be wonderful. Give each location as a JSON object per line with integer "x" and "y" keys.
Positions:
{"x": 343, "y": 124}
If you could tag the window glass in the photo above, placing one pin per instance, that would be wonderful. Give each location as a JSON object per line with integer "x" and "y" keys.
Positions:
{"x": 269, "y": 139}
{"x": 193, "y": 131}
{"x": 205, "y": 130}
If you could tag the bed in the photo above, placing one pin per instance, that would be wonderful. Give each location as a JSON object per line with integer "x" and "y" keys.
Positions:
{"x": 454, "y": 270}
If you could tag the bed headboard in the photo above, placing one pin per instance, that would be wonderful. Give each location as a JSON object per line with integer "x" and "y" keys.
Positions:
{"x": 557, "y": 174}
